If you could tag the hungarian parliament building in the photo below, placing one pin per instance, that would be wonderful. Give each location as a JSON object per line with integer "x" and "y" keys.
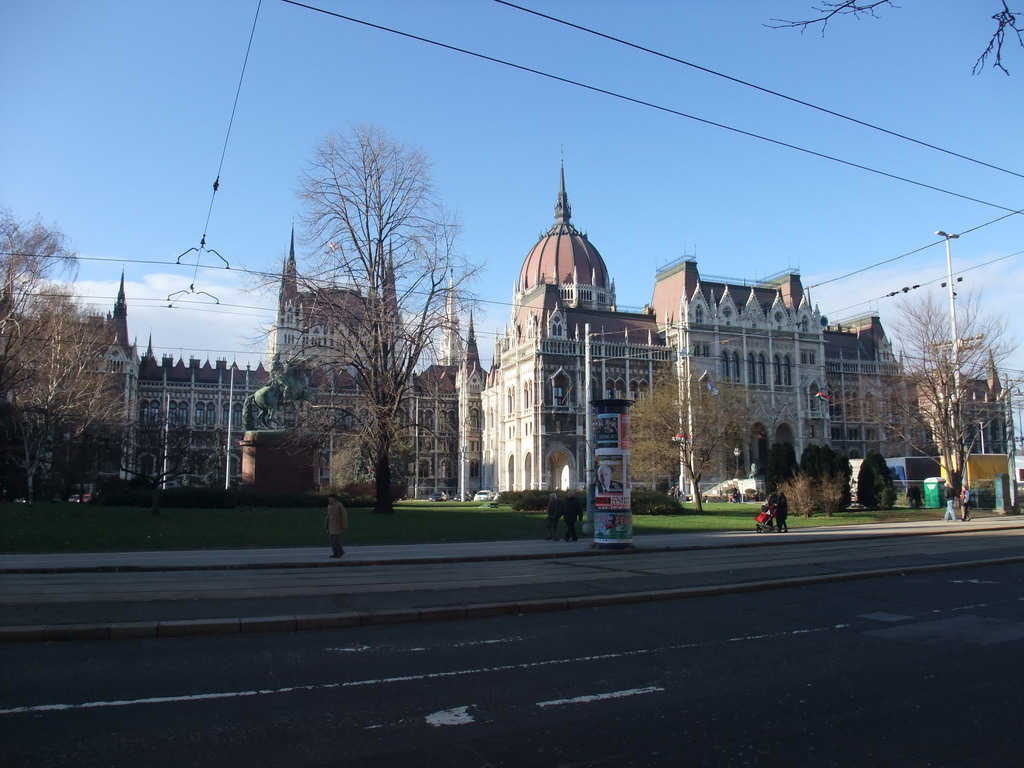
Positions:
{"x": 520, "y": 423}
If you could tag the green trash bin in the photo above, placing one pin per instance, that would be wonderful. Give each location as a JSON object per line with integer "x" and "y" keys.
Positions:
{"x": 934, "y": 492}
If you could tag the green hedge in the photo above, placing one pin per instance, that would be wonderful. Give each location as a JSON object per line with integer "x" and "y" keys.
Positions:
{"x": 218, "y": 498}
{"x": 526, "y": 501}
{"x": 645, "y": 502}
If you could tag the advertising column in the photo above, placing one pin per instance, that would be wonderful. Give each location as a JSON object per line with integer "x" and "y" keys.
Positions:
{"x": 613, "y": 517}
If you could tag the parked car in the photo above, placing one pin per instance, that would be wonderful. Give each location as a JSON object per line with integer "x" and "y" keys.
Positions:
{"x": 436, "y": 497}
{"x": 485, "y": 496}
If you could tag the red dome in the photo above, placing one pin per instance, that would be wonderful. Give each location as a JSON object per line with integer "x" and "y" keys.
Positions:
{"x": 564, "y": 255}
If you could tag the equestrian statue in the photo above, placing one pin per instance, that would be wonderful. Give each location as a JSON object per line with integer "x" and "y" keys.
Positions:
{"x": 289, "y": 383}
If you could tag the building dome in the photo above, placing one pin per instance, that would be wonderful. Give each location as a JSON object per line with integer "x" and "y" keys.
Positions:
{"x": 564, "y": 255}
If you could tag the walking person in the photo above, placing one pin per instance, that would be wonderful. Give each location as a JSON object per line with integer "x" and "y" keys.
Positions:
{"x": 951, "y": 500}
{"x": 966, "y": 497}
{"x": 571, "y": 513}
{"x": 335, "y": 523}
{"x": 914, "y": 496}
{"x": 554, "y": 512}
{"x": 771, "y": 505}
{"x": 781, "y": 512}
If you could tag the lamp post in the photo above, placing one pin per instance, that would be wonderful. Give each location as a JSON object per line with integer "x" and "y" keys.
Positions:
{"x": 955, "y": 410}
{"x": 736, "y": 453}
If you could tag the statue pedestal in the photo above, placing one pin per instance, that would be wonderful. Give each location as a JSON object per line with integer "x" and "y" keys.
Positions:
{"x": 277, "y": 461}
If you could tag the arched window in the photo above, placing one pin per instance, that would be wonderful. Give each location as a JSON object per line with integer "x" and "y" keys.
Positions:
{"x": 144, "y": 412}
{"x": 474, "y": 468}
{"x": 777, "y": 371}
{"x": 236, "y": 415}
{"x": 172, "y": 412}
{"x": 751, "y": 369}
{"x": 474, "y": 419}
{"x": 735, "y": 366}
{"x": 526, "y": 395}
{"x": 787, "y": 371}
{"x": 183, "y": 413}
{"x": 762, "y": 373}
{"x": 560, "y": 389}
{"x": 698, "y": 315}
{"x": 725, "y": 366}
{"x": 224, "y": 414}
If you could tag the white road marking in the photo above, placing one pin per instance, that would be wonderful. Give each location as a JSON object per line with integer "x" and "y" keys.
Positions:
{"x": 600, "y": 696}
{"x": 496, "y": 641}
{"x": 575, "y": 660}
{"x": 457, "y": 716}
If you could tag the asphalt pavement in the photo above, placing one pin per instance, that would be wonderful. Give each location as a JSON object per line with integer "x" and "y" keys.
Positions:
{"x": 122, "y": 595}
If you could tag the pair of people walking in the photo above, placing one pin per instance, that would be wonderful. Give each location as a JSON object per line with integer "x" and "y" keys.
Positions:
{"x": 568, "y": 509}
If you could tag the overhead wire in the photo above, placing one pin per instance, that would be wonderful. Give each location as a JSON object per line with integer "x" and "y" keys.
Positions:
{"x": 651, "y": 105}
{"x": 216, "y": 183}
{"x": 756, "y": 87}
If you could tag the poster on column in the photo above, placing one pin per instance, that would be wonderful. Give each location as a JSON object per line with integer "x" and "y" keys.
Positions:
{"x": 612, "y": 430}
{"x": 610, "y": 488}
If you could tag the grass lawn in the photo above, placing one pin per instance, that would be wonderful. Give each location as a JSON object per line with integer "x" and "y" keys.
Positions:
{"x": 87, "y": 528}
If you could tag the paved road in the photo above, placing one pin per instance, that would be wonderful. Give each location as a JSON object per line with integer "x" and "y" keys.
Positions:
{"x": 150, "y": 594}
{"x": 912, "y": 670}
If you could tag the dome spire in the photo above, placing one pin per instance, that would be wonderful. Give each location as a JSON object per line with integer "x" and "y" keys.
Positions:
{"x": 562, "y": 210}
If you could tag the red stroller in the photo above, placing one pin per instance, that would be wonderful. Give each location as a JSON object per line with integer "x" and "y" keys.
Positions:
{"x": 766, "y": 519}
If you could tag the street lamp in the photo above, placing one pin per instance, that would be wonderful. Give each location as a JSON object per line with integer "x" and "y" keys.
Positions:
{"x": 736, "y": 453}
{"x": 957, "y": 436}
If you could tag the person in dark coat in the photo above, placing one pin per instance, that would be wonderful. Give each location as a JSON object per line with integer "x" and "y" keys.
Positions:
{"x": 914, "y": 496}
{"x": 781, "y": 512}
{"x": 771, "y": 504}
{"x": 571, "y": 513}
{"x": 554, "y": 512}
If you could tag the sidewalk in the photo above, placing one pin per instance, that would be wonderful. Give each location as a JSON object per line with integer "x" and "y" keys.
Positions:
{"x": 163, "y": 594}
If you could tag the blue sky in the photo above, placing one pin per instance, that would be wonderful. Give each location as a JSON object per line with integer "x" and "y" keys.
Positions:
{"x": 116, "y": 114}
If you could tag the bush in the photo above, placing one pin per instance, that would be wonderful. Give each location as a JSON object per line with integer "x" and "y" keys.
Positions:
{"x": 646, "y": 502}
{"x": 218, "y": 498}
{"x": 527, "y": 501}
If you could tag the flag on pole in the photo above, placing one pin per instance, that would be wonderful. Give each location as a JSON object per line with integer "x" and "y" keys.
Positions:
{"x": 706, "y": 376}
{"x": 822, "y": 396}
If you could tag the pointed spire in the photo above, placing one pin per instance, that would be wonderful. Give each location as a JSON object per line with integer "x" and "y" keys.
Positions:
{"x": 471, "y": 357}
{"x": 562, "y": 210}
{"x": 121, "y": 305}
{"x": 289, "y": 275}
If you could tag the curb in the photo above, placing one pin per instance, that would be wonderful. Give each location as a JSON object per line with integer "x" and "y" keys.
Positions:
{"x": 301, "y": 623}
{"x": 592, "y": 551}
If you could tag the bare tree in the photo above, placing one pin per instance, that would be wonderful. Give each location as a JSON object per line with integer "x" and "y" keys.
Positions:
{"x": 1008, "y": 24}
{"x": 387, "y": 259}
{"x": 31, "y": 254}
{"x": 691, "y": 426}
{"x": 931, "y": 407}
{"x": 62, "y": 390}
{"x": 166, "y": 453}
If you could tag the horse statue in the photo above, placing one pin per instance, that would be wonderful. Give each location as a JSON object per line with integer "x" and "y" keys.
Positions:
{"x": 290, "y": 384}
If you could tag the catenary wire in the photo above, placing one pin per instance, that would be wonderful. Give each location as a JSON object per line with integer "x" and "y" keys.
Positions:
{"x": 762, "y": 89}
{"x": 651, "y": 105}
